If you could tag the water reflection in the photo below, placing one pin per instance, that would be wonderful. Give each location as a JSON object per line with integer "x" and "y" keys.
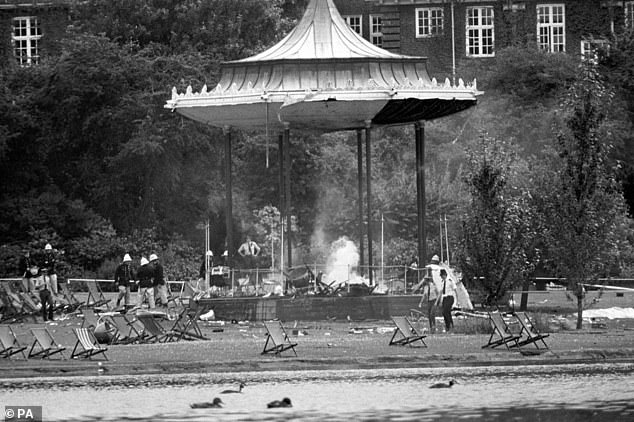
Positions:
{"x": 525, "y": 393}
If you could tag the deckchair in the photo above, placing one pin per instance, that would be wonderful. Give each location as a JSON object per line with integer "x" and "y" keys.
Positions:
{"x": 407, "y": 333}
{"x": 72, "y": 302}
{"x": 186, "y": 324}
{"x": 528, "y": 333}
{"x": 125, "y": 331}
{"x": 9, "y": 343}
{"x": 47, "y": 345}
{"x": 501, "y": 334}
{"x": 276, "y": 335}
{"x": 95, "y": 295}
{"x": 88, "y": 343}
{"x": 155, "y": 331}
{"x": 14, "y": 308}
{"x": 90, "y": 318}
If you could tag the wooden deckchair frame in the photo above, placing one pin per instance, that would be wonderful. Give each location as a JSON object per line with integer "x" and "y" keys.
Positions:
{"x": 7, "y": 296}
{"x": 408, "y": 333}
{"x": 9, "y": 342}
{"x": 156, "y": 331}
{"x": 276, "y": 335}
{"x": 47, "y": 344}
{"x": 126, "y": 332}
{"x": 90, "y": 347}
{"x": 97, "y": 296}
{"x": 528, "y": 333}
{"x": 67, "y": 293}
{"x": 501, "y": 329}
{"x": 186, "y": 324}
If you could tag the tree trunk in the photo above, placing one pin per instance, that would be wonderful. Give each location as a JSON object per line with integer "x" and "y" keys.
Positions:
{"x": 579, "y": 310}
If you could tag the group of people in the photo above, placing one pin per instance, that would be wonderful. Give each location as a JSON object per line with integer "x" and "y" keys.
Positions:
{"x": 438, "y": 293}
{"x": 149, "y": 277}
{"x": 40, "y": 276}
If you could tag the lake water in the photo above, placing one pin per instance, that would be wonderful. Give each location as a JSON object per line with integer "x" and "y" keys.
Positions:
{"x": 601, "y": 392}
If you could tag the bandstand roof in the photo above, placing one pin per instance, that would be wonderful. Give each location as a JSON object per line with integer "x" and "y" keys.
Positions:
{"x": 323, "y": 76}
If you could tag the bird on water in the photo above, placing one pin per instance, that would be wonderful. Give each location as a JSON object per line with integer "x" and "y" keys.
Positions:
{"x": 229, "y": 391}
{"x": 444, "y": 384}
{"x": 207, "y": 405}
{"x": 285, "y": 402}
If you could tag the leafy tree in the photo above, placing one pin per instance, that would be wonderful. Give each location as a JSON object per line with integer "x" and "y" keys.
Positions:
{"x": 587, "y": 203}
{"x": 500, "y": 226}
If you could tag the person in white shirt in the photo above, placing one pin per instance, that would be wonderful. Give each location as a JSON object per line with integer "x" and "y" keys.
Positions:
{"x": 430, "y": 295}
{"x": 249, "y": 251}
{"x": 447, "y": 297}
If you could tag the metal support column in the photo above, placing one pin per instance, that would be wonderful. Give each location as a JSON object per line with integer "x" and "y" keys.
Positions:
{"x": 287, "y": 195}
{"x": 282, "y": 204}
{"x": 360, "y": 201}
{"x": 228, "y": 196}
{"x": 419, "y": 129}
{"x": 368, "y": 178}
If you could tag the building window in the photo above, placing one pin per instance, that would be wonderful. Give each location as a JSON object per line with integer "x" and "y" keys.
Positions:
{"x": 376, "y": 34}
{"x": 354, "y": 22}
{"x": 429, "y": 22}
{"x": 26, "y": 40}
{"x": 628, "y": 9}
{"x": 480, "y": 37}
{"x": 551, "y": 27}
{"x": 591, "y": 48}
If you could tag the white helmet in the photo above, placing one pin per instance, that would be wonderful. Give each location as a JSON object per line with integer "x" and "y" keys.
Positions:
{"x": 144, "y": 261}
{"x": 435, "y": 258}
{"x": 153, "y": 257}
{"x": 210, "y": 253}
{"x": 126, "y": 258}
{"x": 225, "y": 253}
{"x": 48, "y": 247}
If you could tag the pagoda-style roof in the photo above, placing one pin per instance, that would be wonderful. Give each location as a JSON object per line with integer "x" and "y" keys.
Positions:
{"x": 323, "y": 76}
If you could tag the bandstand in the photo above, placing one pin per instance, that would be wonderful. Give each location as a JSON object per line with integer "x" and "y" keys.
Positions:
{"x": 324, "y": 77}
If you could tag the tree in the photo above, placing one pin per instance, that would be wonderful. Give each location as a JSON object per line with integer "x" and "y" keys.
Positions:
{"x": 586, "y": 204}
{"x": 500, "y": 228}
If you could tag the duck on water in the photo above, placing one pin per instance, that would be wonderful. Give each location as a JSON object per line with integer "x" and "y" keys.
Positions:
{"x": 285, "y": 402}
{"x": 207, "y": 405}
{"x": 444, "y": 384}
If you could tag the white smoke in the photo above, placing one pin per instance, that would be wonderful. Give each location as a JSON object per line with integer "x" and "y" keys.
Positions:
{"x": 343, "y": 262}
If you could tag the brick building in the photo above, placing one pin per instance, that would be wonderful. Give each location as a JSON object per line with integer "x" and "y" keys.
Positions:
{"x": 30, "y": 29}
{"x": 449, "y": 31}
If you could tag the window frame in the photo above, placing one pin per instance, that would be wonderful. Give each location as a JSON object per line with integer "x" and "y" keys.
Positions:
{"x": 551, "y": 26}
{"x": 348, "y": 18}
{"x": 589, "y": 47}
{"x": 26, "y": 46}
{"x": 427, "y": 20}
{"x": 481, "y": 27}
{"x": 374, "y": 34}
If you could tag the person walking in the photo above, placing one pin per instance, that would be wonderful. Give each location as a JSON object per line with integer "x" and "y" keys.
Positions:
{"x": 123, "y": 276}
{"x": 158, "y": 281}
{"x": 447, "y": 298}
{"x": 144, "y": 279}
{"x": 43, "y": 288}
{"x": 49, "y": 264}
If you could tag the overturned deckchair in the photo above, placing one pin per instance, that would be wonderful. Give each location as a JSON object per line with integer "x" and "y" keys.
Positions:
{"x": 95, "y": 296}
{"x": 126, "y": 332}
{"x": 9, "y": 343}
{"x": 155, "y": 331}
{"x": 45, "y": 343}
{"x": 278, "y": 339}
{"x": 501, "y": 334}
{"x": 528, "y": 333}
{"x": 186, "y": 324}
{"x": 88, "y": 343}
{"x": 405, "y": 333}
